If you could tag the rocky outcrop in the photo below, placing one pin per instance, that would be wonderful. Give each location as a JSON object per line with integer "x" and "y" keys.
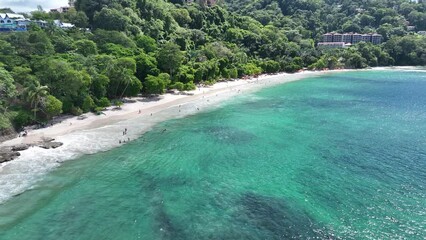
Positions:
{"x": 6, "y": 155}
{"x": 10, "y": 153}
{"x": 49, "y": 145}
{"x": 20, "y": 147}
{"x": 47, "y": 139}
{"x": 7, "y": 134}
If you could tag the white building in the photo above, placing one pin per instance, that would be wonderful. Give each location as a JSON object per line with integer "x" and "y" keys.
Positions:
{"x": 63, "y": 25}
{"x": 10, "y": 22}
{"x": 61, "y": 9}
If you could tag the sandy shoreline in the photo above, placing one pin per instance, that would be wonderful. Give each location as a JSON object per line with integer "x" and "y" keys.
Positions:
{"x": 153, "y": 106}
{"x": 99, "y": 133}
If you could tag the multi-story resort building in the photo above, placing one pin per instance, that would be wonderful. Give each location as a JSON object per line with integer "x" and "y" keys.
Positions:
{"x": 328, "y": 37}
{"x": 356, "y": 38}
{"x": 366, "y": 37}
{"x": 376, "y": 38}
{"x": 339, "y": 40}
{"x": 347, "y": 38}
{"x": 337, "y": 37}
{"x": 352, "y": 38}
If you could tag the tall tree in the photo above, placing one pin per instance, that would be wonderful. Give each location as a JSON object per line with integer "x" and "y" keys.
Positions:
{"x": 170, "y": 58}
{"x": 34, "y": 95}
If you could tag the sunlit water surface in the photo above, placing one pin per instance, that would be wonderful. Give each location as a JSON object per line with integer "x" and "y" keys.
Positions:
{"x": 342, "y": 156}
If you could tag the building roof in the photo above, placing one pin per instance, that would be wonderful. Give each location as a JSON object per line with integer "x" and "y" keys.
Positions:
{"x": 11, "y": 15}
{"x": 23, "y": 20}
{"x": 62, "y": 24}
{"x": 67, "y": 25}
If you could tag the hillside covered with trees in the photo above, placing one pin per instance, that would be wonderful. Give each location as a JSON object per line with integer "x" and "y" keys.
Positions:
{"x": 121, "y": 48}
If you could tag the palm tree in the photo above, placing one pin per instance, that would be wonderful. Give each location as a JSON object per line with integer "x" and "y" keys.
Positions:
{"x": 34, "y": 94}
{"x": 127, "y": 80}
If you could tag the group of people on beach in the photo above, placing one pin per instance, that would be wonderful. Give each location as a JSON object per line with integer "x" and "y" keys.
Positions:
{"x": 164, "y": 130}
{"x": 124, "y": 141}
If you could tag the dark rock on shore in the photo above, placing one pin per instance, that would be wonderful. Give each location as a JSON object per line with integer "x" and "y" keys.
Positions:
{"x": 49, "y": 145}
{"x": 47, "y": 139}
{"x": 11, "y": 153}
{"x": 20, "y": 147}
{"x": 7, "y": 155}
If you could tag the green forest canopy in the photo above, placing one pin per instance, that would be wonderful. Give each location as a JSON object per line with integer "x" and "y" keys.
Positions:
{"x": 148, "y": 46}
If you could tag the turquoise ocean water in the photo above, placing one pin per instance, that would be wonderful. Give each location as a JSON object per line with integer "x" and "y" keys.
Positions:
{"x": 341, "y": 156}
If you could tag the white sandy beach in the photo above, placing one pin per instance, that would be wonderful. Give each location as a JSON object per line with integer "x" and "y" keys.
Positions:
{"x": 98, "y": 133}
{"x": 155, "y": 105}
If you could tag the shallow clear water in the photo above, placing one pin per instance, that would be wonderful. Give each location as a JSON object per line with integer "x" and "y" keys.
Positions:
{"x": 342, "y": 156}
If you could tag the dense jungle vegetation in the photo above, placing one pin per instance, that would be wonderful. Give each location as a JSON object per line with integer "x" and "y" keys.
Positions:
{"x": 121, "y": 48}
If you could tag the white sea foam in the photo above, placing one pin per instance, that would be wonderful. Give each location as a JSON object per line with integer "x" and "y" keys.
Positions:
{"x": 19, "y": 175}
